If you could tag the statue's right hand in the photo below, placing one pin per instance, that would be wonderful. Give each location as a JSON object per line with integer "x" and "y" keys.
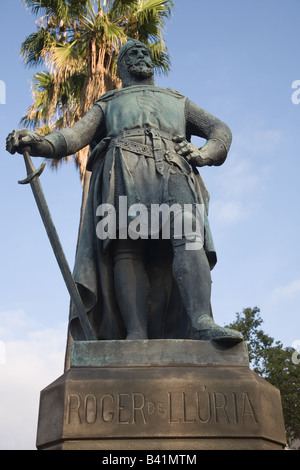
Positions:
{"x": 17, "y": 141}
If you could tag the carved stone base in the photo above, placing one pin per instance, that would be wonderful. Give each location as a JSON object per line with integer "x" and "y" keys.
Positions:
{"x": 160, "y": 395}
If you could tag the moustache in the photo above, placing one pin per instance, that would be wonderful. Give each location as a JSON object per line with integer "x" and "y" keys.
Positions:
{"x": 142, "y": 63}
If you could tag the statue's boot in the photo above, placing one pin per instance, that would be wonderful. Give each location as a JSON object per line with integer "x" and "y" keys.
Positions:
{"x": 131, "y": 287}
{"x": 192, "y": 274}
{"x": 207, "y": 329}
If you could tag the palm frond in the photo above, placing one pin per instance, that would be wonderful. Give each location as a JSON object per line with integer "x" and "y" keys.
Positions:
{"x": 60, "y": 8}
{"x": 163, "y": 8}
{"x": 110, "y": 32}
{"x": 66, "y": 58}
{"x": 66, "y": 96}
{"x": 161, "y": 57}
{"x": 117, "y": 8}
{"x": 35, "y": 47}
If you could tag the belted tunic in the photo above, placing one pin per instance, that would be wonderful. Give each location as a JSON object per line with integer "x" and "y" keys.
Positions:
{"x": 131, "y": 135}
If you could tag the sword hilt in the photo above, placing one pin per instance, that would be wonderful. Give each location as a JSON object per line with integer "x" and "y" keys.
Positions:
{"x": 31, "y": 171}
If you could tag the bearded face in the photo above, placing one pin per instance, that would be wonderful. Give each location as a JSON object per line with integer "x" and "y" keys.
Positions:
{"x": 137, "y": 63}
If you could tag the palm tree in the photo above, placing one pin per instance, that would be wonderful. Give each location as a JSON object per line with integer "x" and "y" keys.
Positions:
{"x": 78, "y": 41}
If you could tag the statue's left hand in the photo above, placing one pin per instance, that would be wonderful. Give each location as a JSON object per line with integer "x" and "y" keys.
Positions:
{"x": 188, "y": 150}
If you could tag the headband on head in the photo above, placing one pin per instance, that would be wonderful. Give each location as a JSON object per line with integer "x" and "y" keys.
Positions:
{"x": 128, "y": 45}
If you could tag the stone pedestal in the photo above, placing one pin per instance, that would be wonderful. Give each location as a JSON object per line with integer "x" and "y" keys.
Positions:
{"x": 160, "y": 395}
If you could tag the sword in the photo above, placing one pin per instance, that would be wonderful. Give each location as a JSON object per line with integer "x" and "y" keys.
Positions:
{"x": 33, "y": 178}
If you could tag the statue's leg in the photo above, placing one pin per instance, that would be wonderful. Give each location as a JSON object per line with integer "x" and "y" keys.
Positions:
{"x": 191, "y": 272}
{"x": 131, "y": 286}
{"x": 192, "y": 275}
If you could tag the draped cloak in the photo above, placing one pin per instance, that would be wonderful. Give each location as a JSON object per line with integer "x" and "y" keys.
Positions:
{"x": 131, "y": 115}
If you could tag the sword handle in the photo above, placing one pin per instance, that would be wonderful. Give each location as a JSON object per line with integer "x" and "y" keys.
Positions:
{"x": 31, "y": 171}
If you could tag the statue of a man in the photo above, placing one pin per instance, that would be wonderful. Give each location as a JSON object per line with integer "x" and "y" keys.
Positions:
{"x": 139, "y": 136}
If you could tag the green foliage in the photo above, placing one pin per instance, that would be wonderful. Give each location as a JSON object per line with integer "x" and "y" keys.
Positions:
{"x": 76, "y": 23}
{"x": 45, "y": 91}
{"x": 78, "y": 42}
{"x": 273, "y": 362}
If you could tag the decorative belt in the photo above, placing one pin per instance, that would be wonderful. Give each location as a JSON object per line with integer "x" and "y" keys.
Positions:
{"x": 145, "y": 131}
{"x": 132, "y": 146}
{"x": 155, "y": 151}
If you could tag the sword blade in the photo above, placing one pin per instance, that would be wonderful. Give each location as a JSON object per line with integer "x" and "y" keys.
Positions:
{"x": 56, "y": 246}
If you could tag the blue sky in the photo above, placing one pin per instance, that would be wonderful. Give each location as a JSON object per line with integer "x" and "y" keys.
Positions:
{"x": 235, "y": 59}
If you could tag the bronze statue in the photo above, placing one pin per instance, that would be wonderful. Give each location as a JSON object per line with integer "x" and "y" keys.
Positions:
{"x": 141, "y": 156}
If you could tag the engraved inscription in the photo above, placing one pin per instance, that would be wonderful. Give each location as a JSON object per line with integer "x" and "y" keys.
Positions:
{"x": 200, "y": 407}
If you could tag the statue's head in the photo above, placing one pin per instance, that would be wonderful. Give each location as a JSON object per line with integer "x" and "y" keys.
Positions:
{"x": 135, "y": 63}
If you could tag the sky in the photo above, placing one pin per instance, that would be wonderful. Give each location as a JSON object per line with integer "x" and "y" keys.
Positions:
{"x": 239, "y": 61}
